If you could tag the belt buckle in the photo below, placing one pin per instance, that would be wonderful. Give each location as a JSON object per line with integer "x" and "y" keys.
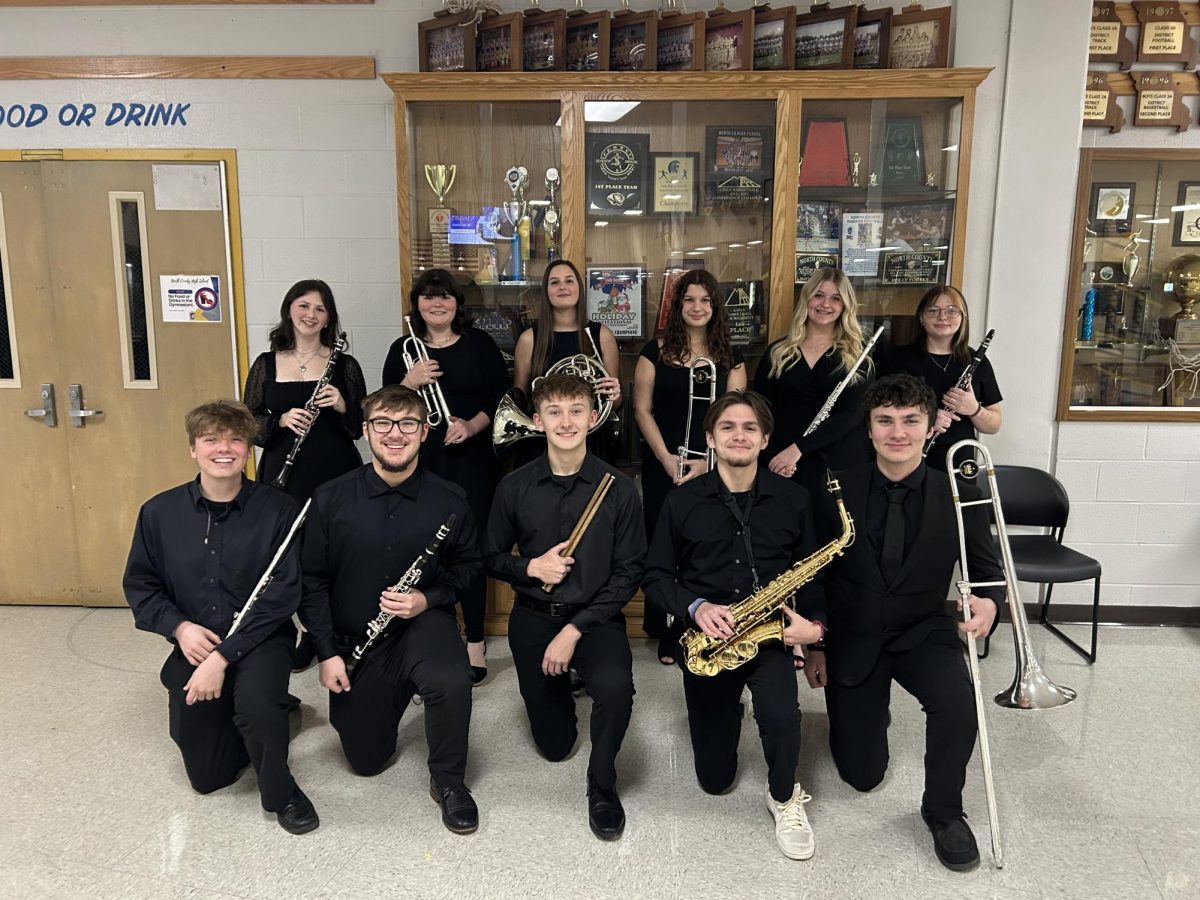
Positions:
{"x": 558, "y": 609}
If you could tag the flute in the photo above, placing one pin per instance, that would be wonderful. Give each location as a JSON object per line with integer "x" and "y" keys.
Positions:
{"x": 827, "y": 407}
{"x": 311, "y": 407}
{"x": 408, "y": 581}
{"x": 269, "y": 575}
{"x": 964, "y": 380}
{"x": 589, "y": 513}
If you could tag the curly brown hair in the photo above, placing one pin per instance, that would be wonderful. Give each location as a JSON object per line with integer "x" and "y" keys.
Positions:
{"x": 676, "y": 348}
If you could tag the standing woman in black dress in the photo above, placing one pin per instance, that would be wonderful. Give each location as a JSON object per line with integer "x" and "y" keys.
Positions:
{"x": 798, "y": 372}
{"x": 938, "y": 357}
{"x": 282, "y": 381}
{"x": 696, "y": 327}
{"x": 562, "y": 330}
{"x": 468, "y": 366}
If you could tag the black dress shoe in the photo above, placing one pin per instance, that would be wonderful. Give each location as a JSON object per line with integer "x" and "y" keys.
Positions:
{"x": 478, "y": 673}
{"x": 953, "y": 842}
{"x": 304, "y": 653}
{"x": 577, "y": 685}
{"x": 298, "y": 816}
{"x": 459, "y": 812}
{"x": 606, "y": 815}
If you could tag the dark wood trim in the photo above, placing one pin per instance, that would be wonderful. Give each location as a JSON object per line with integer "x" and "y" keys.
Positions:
{"x": 20, "y": 68}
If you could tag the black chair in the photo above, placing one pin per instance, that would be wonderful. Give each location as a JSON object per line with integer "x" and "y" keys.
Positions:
{"x": 1032, "y": 497}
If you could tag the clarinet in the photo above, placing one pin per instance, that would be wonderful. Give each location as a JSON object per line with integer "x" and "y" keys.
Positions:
{"x": 269, "y": 575}
{"x": 379, "y": 624}
{"x": 311, "y": 406}
{"x": 827, "y": 408}
{"x": 964, "y": 380}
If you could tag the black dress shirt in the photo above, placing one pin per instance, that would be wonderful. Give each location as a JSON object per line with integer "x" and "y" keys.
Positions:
{"x": 192, "y": 562}
{"x": 699, "y": 551}
{"x": 360, "y": 538}
{"x": 534, "y": 510}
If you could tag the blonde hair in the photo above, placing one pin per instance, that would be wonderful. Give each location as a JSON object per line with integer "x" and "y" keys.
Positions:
{"x": 847, "y": 333}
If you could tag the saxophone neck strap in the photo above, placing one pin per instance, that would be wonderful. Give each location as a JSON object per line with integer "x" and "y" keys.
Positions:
{"x": 743, "y": 519}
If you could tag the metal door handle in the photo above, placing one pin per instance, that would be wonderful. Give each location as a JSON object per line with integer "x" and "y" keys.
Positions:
{"x": 77, "y": 412}
{"x": 46, "y": 411}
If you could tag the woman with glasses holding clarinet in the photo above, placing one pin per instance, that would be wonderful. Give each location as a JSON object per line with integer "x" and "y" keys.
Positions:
{"x": 940, "y": 356}
{"x": 461, "y": 372}
{"x": 677, "y": 377}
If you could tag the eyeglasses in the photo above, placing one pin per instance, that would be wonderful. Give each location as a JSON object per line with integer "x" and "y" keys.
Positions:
{"x": 949, "y": 313}
{"x": 384, "y": 425}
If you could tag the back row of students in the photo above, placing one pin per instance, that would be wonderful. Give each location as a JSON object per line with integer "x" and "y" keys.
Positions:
{"x": 796, "y": 375}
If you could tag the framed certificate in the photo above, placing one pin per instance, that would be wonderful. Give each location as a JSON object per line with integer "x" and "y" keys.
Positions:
{"x": 862, "y": 237}
{"x": 1110, "y": 207}
{"x": 741, "y": 160}
{"x": 1187, "y": 219}
{"x": 617, "y": 173}
{"x": 675, "y": 177}
{"x": 615, "y": 297}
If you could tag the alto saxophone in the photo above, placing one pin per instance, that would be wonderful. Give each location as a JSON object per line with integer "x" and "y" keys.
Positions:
{"x": 759, "y": 618}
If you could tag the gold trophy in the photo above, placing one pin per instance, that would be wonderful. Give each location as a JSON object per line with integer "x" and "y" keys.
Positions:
{"x": 1130, "y": 263}
{"x": 440, "y": 178}
{"x": 1185, "y": 275}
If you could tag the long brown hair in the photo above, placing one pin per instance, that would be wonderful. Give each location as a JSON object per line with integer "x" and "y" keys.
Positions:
{"x": 958, "y": 346}
{"x": 283, "y": 335}
{"x": 676, "y": 347}
{"x": 847, "y": 334}
{"x": 543, "y": 336}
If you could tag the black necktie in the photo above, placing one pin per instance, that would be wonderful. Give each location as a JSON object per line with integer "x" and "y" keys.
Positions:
{"x": 892, "y": 557}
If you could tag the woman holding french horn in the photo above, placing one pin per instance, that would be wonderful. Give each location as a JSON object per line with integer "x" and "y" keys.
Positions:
{"x": 460, "y": 374}
{"x": 678, "y": 375}
{"x": 562, "y": 330}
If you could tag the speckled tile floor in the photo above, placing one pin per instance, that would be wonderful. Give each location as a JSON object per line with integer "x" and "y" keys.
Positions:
{"x": 1099, "y": 799}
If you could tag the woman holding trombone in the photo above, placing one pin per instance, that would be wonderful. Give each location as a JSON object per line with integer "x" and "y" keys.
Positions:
{"x": 677, "y": 376}
{"x": 452, "y": 365}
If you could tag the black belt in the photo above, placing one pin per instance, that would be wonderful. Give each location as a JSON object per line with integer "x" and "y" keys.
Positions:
{"x": 547, "y": 607}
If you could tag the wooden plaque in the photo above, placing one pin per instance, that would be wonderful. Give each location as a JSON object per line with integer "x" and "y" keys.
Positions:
{"x": 1165, "y": 34}
{"x": 921, "y": 39}
{"x": 633, "y": 42}
{"x": 873, "y": 38}
{"x": 825, "y": 39}
{"x": 447, "y": 43}
{"x": 1109, "y": 42}
{"x": 544, "y": 38}
{"x": 587, "y": 41}
{"x": 1100, "y": 109}
{"x": 1159, "y": 101}
{"x": 498, "y": 43}
{"x": 681, "y": 42}
{"x": 729, "y": 42}
{"x": 774, "y": 38}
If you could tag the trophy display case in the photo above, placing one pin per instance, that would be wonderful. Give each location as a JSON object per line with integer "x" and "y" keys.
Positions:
{"x": 757, "y": 176}
{"x": 1131, "y": 338}
{"x": 877, "y": 196}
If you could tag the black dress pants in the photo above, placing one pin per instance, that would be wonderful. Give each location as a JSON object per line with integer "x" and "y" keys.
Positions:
{"x": 424, "y": 656}
{"x": 936, "y": 674}
{"x": 248, "y": 723}
{"x": 605, "y": 664}
{"x": 715, "y": 720}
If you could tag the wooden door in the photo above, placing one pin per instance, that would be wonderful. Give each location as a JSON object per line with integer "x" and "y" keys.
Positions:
{"x": 108, "y": 244}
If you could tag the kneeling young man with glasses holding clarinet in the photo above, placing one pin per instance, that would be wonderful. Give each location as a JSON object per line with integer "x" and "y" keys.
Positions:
{"x": 387, "y": 549}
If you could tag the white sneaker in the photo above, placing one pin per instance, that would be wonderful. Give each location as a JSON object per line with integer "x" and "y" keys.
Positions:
{"x": 792, "y": 831}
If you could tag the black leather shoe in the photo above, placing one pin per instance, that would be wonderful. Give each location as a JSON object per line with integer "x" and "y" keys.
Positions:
{"x": 478, "y": 673}
{"x": 298, "y": 816}
{"x": 459, "y": 812}
{"x": 953, "y": 842}
{"x": 576, "y": 681}
{"x": 606, "y": 815}
{"x": 304, "y": 653}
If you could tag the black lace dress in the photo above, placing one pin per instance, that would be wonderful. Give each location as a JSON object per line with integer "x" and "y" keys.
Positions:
{"x": 329, "y": 450}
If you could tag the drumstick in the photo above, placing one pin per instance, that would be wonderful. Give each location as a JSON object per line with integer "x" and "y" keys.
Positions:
{"x": 589, "y": 512}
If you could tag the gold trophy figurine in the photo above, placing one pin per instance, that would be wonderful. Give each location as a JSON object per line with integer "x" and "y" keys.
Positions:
{"x": 440, "y": 178}
{"x": 855, "y": 162}
{"x": 1130, "y": 263}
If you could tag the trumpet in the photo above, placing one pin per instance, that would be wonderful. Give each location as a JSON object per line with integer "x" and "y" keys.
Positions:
{"x": 701, "y": 371}
{"x": 1031, "y": 688}
{"x": 511, "y": 423}
{"x": 413, "y": 351}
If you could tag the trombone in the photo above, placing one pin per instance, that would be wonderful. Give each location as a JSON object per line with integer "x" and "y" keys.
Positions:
{"x": 413, "y": 351}
{"x": 702, "y": 372}
{"x": 1031, "y": 688}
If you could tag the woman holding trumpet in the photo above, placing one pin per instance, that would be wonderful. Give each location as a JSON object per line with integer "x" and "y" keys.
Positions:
{"x": 452, "y": 365}
{"x": 561, "y": 330}
{"x": 677, "y": 376}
